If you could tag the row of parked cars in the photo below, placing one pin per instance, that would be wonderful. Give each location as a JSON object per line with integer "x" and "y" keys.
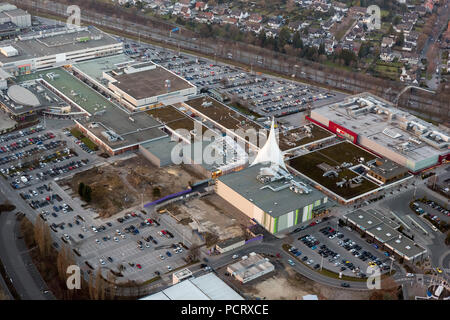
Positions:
{"x": 20, "y": 155}
{"x": 435, "y": 206}
{"x": 55, "y": 157}
{"x": 16, "y": 135}
{"x": 23, "y": 143}
{"x": 57, "y": 170}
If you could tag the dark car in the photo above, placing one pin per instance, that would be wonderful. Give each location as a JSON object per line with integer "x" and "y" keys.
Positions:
{"x": 81, "y": 236}
{"x": 345, "y": 285}
{"x": 110, "y": 259}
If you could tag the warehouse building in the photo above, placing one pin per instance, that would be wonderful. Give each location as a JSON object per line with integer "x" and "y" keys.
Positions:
{"x": 377, "y": 125}
{"x": 271, "y": 196}
{"x": 56, "y": 47}
{"x": 250, "y": 267}
{"x": 206, "y": 287}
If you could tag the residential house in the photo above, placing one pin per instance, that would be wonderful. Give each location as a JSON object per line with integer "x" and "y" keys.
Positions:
{"x": 204, "y": 17}
{"x": 185, "y": 12}
{"x": 403, "y": 27}
{"x": 253, "y": 27}
{"x": 421, "y": 10}
{"x": 294, "y": 26}
{"x": 230, "y": 20}
{"x": 185, "y": 3}
{"x": 328, "y": 24}
{"x": 275, "y": 22}
{"x": 339, "y": 7}
{"x": 387, "y": 42}
{"x": 255, "y": 18}
{"x": 429, "y": 5}
{"x": 410, "y": 58}
{"x": 201, "y": 6}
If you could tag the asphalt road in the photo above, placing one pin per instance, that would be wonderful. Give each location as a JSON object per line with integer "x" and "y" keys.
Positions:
{"x": 13, "y": 253}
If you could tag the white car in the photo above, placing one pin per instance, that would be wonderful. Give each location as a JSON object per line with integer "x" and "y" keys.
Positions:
{"x": 102, "y": 262}
{"x": 147, "y": 245}
{"x": 116, "y": 239}
{"x": 161, "y": 257}
{"x": 96, "y": 240}
{"x": 118, "y": 232}
{"x": 235, "y": 256}
{"x": 310, "y": 261}
{"x": 169, "y": 268}
{"x": 122, "y": 236}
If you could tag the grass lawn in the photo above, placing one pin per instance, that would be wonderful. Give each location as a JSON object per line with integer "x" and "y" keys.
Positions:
{"x": 88, "y": 142}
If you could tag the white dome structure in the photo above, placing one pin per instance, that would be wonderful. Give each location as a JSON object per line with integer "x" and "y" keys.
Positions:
{"x": 23, "y": 96}
{"x": 271, "y": 152}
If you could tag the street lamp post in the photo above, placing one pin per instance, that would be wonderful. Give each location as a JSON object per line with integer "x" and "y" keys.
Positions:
{"x": 321, "y": 263}
{"x": 392, "y": 262}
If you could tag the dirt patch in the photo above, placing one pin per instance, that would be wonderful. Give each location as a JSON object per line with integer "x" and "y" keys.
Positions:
{"x": 119, "y": 186}
{"x": 212, "y": 216}
{"x": 286, "y": 284}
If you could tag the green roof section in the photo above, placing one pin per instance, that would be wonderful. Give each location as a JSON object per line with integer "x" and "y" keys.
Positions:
{"x": 76, "y": 90}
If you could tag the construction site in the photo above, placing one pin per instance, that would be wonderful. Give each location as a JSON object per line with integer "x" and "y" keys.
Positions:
{"x": 130, "y": 183}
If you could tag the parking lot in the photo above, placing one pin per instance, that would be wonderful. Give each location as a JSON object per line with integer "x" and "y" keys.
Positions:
{"x": 266, "y": 95}
{"x": 342, "y": 250}
{"x": 135, "y": 248}
{"x": 131, "y": 244}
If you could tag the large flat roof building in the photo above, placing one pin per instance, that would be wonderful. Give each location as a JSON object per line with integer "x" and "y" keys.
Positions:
{"x": 250, "y": 267}
{"x": 271, "y": 196}
{"x": 206, "y": 287}
{"x": 384, "y": 232}
{"x": 377, "y": 125}
{"x": 146, "y": 85}
{"x": 57, "y": 47}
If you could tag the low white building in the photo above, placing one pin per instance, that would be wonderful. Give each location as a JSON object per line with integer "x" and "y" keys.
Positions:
{"x": 250, "y": 267}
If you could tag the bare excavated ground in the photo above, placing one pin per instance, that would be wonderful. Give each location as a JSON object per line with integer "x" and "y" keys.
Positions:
{"x": 286, "y": 284}
{"x": 118, "y": 186}
{"x": 213, "y": 215}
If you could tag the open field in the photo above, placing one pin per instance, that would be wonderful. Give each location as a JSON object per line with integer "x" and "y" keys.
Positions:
{"x": 119, "y": 186}
{"x": 335, "y": 156}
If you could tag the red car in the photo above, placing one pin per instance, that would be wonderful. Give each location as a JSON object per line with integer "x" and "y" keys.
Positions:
{"x": 139, "y": 266}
